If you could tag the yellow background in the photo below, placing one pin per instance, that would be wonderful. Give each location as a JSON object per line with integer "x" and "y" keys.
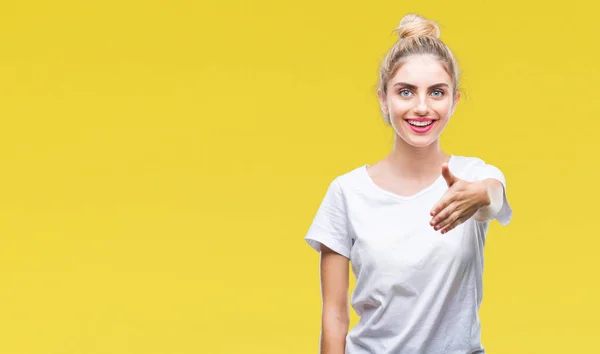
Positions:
{"x": 162, "y": 161}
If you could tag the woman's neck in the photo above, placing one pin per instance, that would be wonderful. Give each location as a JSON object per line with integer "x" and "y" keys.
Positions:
{"x": 411, "y": 162}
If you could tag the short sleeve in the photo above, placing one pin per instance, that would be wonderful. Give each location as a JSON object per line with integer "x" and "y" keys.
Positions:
{"x": 484, "y": 171}
{"x": 330, "y": 224}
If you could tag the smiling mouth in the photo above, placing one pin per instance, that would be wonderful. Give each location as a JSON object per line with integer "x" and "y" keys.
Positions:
{"x": 420, "y": 123}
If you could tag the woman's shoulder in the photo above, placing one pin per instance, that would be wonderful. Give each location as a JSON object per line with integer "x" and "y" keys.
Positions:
{"x": 465, "y": 160}
{"x": 353, "y": 175}
{"x": 463, "y": 163}
{"x": 468, "y": 167}
{"x": 469, "y": 161}
{"x": 352, "y": 179}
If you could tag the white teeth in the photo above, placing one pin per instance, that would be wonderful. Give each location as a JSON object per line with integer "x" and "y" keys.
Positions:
{"x": 420, "y": 124}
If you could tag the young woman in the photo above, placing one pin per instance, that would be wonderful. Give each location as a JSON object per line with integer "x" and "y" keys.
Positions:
{"x": 412, "y": 225}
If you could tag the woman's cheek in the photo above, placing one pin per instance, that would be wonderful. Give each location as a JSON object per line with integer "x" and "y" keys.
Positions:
{"x": 400, "y": 107}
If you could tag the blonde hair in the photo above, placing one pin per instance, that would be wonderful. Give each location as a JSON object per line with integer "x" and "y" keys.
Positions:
{"x": 416, "y": 36}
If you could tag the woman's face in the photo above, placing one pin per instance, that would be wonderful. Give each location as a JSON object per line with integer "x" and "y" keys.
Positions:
{"x": 419, "y": 100}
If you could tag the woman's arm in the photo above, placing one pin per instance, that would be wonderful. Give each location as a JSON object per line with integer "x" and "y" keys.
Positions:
{"x": 334, "y": 291}
{"x": 493, "y": 200}
{"x": 479, "y": 199}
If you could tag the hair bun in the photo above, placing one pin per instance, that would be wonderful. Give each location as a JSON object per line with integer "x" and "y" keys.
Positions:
{"x": 413, "y": 25}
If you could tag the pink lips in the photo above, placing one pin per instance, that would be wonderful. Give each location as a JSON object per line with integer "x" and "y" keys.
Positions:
{"x": 423, "y": 129}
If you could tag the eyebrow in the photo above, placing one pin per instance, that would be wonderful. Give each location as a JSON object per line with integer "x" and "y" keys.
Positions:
{"x": 413, "y": 87}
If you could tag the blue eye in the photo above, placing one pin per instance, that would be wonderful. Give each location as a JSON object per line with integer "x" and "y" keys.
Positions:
{"x": 401, "y": 92}
{"x": 441, "y": 93}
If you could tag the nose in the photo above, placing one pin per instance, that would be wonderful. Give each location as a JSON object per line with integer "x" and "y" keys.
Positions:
{"x": 421, "y": 108}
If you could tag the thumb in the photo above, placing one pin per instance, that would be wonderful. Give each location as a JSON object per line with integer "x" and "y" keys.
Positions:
{"x": 448, "y": 176}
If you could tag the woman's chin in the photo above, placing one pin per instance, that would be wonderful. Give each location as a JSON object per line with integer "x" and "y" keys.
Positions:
{"x": 418, "y": 141}
{"x": 421, "y": 143}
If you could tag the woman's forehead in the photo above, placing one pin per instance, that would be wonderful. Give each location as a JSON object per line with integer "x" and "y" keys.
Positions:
{"x": 421, "y": 70}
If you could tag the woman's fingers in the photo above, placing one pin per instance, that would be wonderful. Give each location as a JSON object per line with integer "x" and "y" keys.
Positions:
{"x": 452, "y": 217}
{"x": 454, "y": 224}
{"x": 458, "y": 204}
{"x": 442, "y": 214}
{"x": 448, "y": 198}
{"x": 438, "y": 220}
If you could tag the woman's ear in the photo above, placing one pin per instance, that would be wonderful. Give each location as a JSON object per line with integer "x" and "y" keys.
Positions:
{"x": 383, "y": 102}
{"x": 455, "y": 102}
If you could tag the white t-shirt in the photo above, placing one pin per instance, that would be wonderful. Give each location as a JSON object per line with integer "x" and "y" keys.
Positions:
{"x": 417, "y": 291}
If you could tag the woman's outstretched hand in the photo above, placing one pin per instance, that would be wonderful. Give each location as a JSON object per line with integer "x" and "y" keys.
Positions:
{"x": 460, "y": 202}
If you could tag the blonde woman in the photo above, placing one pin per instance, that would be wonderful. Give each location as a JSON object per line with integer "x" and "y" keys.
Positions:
{"x": 413, "y": 225}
